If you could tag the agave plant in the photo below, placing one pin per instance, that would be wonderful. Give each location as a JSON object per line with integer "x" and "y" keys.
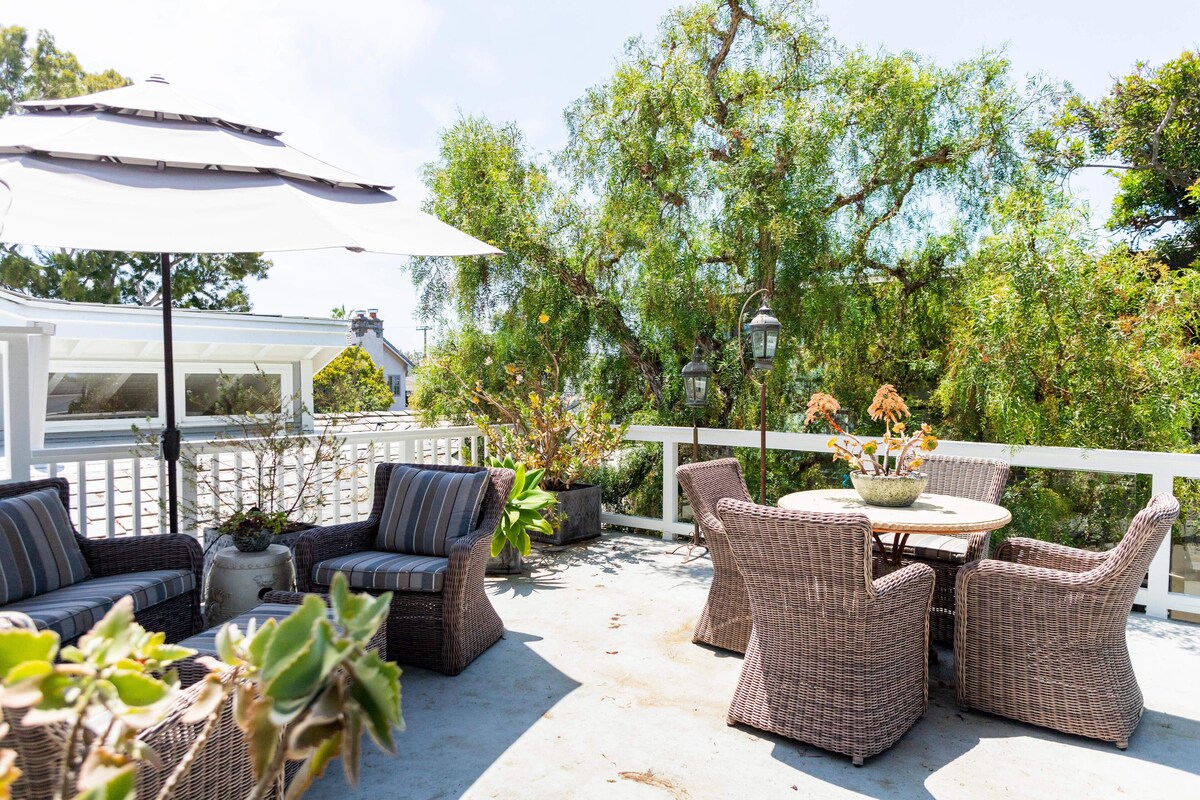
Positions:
{"x": 523, "y": 510}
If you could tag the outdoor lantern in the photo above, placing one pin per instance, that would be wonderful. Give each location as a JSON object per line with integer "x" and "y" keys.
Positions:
{"x": 764, "y": 337}
{"x": 695, "y": 380}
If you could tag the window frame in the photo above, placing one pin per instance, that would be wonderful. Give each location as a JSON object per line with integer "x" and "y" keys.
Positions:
{"x": 182, "y": 370}
{"x": 106, "y": 368}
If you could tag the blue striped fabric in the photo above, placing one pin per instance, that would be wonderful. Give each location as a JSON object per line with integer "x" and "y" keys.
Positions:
{"x": 385, "y": 572}
{"x": 73, "y": 610}
{"x": 38, "y": 551}
{"x": 205, "y": 642}
{"x": 426, "y": 510}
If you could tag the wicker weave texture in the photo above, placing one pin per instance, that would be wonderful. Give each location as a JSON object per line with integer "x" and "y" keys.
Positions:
{"x": 980, "y": 479}
{"x": 442, "y": 631}
{"x": 178, "y": 617}
{"x": 725, "y": 620}
{"x": 835, "y": 659}
{"x": 1040, "y": 630}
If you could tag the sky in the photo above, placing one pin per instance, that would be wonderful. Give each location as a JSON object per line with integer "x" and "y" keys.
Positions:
{"x": 368, "y": 84}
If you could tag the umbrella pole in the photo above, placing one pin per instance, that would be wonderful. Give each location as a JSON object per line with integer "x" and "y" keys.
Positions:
{"x": 171, "y": 436}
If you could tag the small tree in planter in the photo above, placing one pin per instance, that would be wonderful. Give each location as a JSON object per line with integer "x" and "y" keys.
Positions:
{"x": 280, "y": 477}
{"x": 523, "y": 512}
{"x": 536, "y": 422}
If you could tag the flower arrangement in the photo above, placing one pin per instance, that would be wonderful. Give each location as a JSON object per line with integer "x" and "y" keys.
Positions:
{"x": 897, "y": 453}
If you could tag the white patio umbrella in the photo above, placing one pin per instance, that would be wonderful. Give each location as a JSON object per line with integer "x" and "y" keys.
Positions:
{"x": 145, "y": 168}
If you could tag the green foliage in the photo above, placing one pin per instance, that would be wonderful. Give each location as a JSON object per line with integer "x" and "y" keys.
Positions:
{"x": 351, "y": 383}
{"x": 118, "y": 670}
{"x": 213, "y": 281}
{"x": 740, "y": 148}
{"x": 1053, "y": 345}
{"x": 303, "y": 688}
{"x": 1145, "y": 129}
{"x": 252, "y": 520}
{"x": 523, "y": 509}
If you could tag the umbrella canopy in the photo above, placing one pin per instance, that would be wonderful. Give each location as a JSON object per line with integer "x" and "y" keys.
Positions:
{"x": 147, "y": 168}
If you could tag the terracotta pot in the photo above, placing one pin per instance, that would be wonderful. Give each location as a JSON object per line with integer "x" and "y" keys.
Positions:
{"x": 895, "y": 491}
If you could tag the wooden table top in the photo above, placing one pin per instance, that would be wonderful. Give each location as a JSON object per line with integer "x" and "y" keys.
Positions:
{"x": 931, "y": 513}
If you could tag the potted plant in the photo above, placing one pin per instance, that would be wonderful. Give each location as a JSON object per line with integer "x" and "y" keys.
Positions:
{"x": 884, "y": 471}
{"x": 305, "y": 688}
{"x": 537, "y": 422}
{"x": 522, "y": 514}
{"x": 281, "y": 475}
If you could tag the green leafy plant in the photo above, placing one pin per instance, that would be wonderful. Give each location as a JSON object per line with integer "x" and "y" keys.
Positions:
{"x": 535, "y": 422}
{"x": 350, "y": 383}
{"x": 523, "y": 510}
{"x": 254, "y": 519}
{"x": 303, "y": 688}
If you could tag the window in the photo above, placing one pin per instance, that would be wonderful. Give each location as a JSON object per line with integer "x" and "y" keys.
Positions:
{"x": 222, "y": 394}
{"x": 101, "y": 395}
{"x": 396, "y": 383}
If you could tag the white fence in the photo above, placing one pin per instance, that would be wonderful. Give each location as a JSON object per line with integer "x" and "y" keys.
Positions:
{"x": 1163, "y": 469}
{"x": 115, "y": 488}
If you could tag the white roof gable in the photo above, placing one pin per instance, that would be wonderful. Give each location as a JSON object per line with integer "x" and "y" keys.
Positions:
{"x": 99, "y": 331}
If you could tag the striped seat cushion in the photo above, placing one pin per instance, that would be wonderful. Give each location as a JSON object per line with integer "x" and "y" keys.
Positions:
{"x": 385, "y": 572}
{"x": 38, "y": 551}
{"x": 426, "y": 510}
{"x": 205, "y": 642}
{"x": 930, "y": 546}
{"x": 72, "y": 610}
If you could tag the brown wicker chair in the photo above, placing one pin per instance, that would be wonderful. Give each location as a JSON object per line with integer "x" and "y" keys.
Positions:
{"x": 443, "y": 630}
{"x": 1040, "y": 630}
{"x": 725, "y": 620}
{"x": 835, "y": 659}
{"x": 973, "y": 478}
{"x": 178, "y": 617}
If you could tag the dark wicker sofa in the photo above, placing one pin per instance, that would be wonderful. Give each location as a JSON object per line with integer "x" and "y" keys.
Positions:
{"x": 162, "y": 573}
{"x": 444, "y": 628}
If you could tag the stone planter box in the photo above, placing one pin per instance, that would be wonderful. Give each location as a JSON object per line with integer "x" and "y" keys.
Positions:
{"x": 575, "y": 518}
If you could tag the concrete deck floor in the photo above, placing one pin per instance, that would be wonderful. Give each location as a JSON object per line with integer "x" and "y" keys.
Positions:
{"x": 597, "y": 691}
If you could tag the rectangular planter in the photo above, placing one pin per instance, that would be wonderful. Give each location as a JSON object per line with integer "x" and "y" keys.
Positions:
{"x": 575, "y": 518}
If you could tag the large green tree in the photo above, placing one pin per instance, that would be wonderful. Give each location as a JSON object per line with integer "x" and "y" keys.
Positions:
{"x": 1146, "y": 130}
{"x": 740, "y": 148}
{"x": 40, "y": 69}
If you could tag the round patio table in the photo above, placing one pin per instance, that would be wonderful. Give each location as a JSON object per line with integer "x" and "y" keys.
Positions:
{"x": 931, "y": 513}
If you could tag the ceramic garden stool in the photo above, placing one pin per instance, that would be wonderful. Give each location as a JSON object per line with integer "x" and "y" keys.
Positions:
{"x": 237, "y": 579}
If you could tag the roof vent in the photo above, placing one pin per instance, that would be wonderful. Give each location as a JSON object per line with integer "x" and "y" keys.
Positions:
{"x": 156, "y": 78}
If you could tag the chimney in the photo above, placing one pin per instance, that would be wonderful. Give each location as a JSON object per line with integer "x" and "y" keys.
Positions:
{"x": 362, "y": 324}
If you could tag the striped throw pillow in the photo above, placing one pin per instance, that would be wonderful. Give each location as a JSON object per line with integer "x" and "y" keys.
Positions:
{"x": 38, "y": 551}
{"x": 426, "y": 510}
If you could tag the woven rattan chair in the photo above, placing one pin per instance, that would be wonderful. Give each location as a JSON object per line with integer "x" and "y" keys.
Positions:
{"x": 444, "y": 630}
{"x": 1040, "y": 630}
{"x": 179, "y": 616}
{"x": 725, "y": 620}
{"x": 835, "y": 659}
{"x": 975, "y": 479}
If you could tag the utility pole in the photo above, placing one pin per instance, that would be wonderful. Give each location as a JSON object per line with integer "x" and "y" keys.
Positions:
{"x": 425, "y": 329}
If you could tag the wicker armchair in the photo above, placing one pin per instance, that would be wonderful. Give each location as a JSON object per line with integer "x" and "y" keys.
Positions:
{"x": 835, "y": 659}
{"x": 1040, "y": 630}
{"x": 725, "y": 620}
{"x": 179, "y": 616}
{"x": 973, "y": 478}
{"x": 444, "y": 630}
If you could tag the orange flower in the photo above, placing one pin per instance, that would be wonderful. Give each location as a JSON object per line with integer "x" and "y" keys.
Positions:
{"x": 821, "y": 405}
{"x": 888, "y": 404}
{"x": 543, "y": 318}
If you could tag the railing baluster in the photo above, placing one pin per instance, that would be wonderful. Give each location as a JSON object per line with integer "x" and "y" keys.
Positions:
{"x": 110, "y": 497}
{"x": 137, "y": 495}
{"x": 81, "y": 467}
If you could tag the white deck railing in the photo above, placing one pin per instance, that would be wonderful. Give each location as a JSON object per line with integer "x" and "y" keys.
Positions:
{"x": 1163, "y": 469}
{"x": 115, "y": 488}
